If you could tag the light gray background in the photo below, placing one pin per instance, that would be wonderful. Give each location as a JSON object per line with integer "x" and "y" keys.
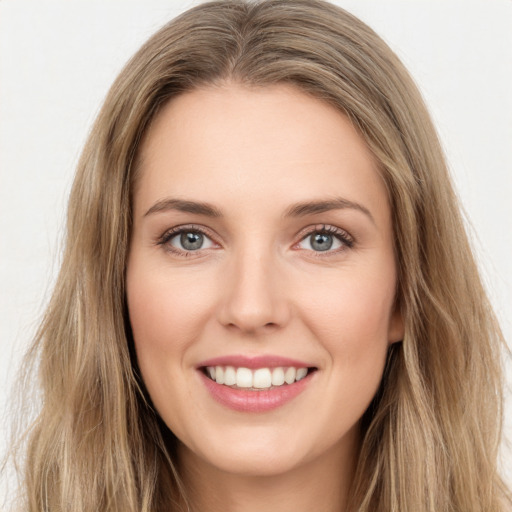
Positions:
{"x": 58, "y": 58}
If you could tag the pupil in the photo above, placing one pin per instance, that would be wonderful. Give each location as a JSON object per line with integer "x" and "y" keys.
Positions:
{"x": 191, "y": 241}
{"x": 321, "y": 242}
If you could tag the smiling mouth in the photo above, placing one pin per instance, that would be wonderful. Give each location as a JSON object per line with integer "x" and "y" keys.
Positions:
{"x": 259, "y": 379}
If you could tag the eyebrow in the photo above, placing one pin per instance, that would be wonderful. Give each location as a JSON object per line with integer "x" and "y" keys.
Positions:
{"x": 184, "y": 206}
{"x": 296, "y": 210}
{"x": 338, "y": 203}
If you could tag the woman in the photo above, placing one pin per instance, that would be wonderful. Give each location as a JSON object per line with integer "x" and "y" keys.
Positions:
{"x": 267, "y": 298}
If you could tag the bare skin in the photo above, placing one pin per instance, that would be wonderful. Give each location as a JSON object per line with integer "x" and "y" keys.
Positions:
{"x": 322, "y": 485}
{"x": 292, "y": 257}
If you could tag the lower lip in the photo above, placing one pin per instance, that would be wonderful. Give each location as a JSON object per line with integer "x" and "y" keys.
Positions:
{"x": 254, "y": 401}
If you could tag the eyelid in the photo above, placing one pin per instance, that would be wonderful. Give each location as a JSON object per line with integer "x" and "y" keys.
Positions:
{"x": 170, "y": 233}
{"x": 342, "y": 235}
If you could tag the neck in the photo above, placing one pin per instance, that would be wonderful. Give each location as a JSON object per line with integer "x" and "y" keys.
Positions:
{"x": 321, "y": 484}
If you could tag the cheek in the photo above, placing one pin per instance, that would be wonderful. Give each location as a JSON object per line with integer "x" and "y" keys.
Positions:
{"x": 350, "y": 317}
{"x": 167, "y": 315}
{"x": 353, "y": 306}
{"x": 166, "y": 308}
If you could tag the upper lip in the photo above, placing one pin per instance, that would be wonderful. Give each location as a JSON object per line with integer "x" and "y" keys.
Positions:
{"x": 253, "y": 362}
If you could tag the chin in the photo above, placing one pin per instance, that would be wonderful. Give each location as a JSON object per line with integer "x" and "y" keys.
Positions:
{"x": 256, "y": 453}
{"x": 260, "y": 464}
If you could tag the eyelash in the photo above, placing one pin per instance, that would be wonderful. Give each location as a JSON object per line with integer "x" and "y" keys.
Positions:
{"x": 342, "y": 236}
{"x": 178, "y": 230}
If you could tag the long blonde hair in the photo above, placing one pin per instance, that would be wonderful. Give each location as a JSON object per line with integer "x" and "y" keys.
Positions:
{"x": 431, "y": 434}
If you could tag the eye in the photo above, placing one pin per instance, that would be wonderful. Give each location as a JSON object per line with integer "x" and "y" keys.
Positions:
{"x": 183, "y": 240}
{"x": 190, "y": 241}
{"x": 326, "y": 238}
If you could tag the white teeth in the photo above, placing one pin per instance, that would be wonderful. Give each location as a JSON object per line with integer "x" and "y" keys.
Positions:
{"x": 261, "y": 378}
{"x": 244, "y": 378}
{"x": 289, "y": 375}
{"x": 229, "y": 376}
{"x": 301, "y": 373}
{"x": 277, "y": 377}
{"x": 219, "y": 375}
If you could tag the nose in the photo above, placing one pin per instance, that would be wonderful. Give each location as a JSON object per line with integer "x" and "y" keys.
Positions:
{"x": 254, "y": 299}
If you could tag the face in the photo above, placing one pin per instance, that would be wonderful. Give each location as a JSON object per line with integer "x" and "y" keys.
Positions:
{"x": 261, "y": 277}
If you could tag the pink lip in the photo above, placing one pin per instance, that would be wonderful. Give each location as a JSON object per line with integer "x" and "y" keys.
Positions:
{"x": 244, "y": 400}
{"x": 265, "y": 361}
{"x": 254, "y": 401}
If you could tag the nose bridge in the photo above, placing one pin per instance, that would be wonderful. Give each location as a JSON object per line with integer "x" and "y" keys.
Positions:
{"x": 253, "y": 298}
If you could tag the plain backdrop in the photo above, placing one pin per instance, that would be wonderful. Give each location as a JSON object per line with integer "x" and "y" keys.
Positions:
{"x": 58, "y": 59}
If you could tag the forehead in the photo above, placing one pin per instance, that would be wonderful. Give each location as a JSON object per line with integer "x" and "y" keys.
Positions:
{"x": 275, "y": 143}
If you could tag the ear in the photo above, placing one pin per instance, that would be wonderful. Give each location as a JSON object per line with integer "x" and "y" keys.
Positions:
{"x": 396, "y": 328}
